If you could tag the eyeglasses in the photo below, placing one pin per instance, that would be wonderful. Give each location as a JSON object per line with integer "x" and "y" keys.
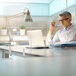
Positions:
{"x": 63, "y": 19}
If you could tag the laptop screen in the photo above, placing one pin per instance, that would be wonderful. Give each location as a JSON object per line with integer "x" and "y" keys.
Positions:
{"x": 35, "y": 38}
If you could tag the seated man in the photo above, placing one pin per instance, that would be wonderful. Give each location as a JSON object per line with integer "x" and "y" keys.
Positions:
{"x": 67, "y": 33}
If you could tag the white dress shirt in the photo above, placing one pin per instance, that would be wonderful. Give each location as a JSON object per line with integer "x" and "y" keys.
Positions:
{"x": 65, "y": 35}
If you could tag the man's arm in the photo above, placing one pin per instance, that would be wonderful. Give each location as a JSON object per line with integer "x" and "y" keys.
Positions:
{"x": 49, "y": 35}
{"x": 52, "y": 27}
{"x": 50, "y": 38}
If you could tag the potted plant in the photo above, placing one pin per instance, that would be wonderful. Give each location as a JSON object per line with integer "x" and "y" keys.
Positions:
{"x": 3, "y": 31}
{"x": 22, "y": 30}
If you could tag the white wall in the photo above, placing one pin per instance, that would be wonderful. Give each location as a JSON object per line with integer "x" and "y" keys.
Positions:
{"x": 15, "y": 8}
{"x": 59, "y": 5}
{"x": 71, "y": 2}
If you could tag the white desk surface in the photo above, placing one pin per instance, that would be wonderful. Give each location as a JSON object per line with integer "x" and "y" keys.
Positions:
{"x": 23, "y": 49}
{"x": 64, "y": 65}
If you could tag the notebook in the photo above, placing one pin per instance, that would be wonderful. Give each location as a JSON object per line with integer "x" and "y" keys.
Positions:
{"x": 36, "y": 39}
{"x": 72, "y": 44}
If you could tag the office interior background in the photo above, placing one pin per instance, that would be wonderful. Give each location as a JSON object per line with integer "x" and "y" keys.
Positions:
{"x": 42, "y": 13}
{"x": 13, "y": 17}
{"x": 15, "y": 58}
{"x": 13, "y": 24}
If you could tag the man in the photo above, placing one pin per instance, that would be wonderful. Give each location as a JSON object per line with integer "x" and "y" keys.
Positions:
{"x": 68, "y": 33}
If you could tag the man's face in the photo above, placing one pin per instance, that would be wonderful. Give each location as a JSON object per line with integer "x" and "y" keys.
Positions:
{"x": 65, "y": 21}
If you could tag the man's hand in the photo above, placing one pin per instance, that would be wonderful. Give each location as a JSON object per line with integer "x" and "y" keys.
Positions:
{"x": 52, "y": 26}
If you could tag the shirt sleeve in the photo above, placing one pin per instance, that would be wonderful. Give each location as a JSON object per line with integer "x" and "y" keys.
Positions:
{"x": 54, "y": 39}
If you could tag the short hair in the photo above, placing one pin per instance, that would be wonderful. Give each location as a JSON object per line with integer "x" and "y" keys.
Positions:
{"x": 66, "y": 13}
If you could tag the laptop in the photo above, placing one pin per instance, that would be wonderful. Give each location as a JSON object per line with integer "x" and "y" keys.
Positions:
{"x": 36, "y": 40}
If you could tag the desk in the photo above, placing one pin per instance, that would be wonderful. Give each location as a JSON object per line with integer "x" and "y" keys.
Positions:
{"x": 56, "y": 65}
{"x": 5, "y": 38}
{"x": 21, "y": 50}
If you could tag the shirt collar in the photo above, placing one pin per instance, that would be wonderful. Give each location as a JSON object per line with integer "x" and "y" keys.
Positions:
{"x": 68, "y": 28}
